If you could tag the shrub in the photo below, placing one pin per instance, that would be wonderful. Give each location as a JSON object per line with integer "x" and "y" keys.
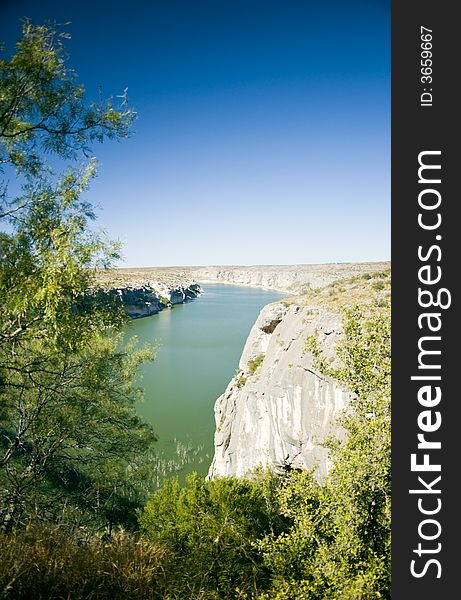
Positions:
{"x": 241, "y": 381}
{"x": 211, "y": 528}
{"x": 254, "y": 363}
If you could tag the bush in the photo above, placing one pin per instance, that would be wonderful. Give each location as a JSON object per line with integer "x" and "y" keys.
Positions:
{"x": 241, "y": 381}
{"x": 254, "y": 363}
{"x": 211, "y": 527}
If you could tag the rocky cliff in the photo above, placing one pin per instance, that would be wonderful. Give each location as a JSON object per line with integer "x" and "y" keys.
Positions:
{"x": 284, "y": 278}
{"x": 145, "y": 298}
{"x": 278, "y": 407}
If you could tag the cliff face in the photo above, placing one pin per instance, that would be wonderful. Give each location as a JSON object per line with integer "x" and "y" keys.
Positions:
{"x": 143, "y": 299}
{"x": 278, "y": 407}
{"x": 285, "y": 278}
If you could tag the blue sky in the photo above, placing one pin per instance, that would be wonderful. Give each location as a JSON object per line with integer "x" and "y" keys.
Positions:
{"x": 263, "y": 130}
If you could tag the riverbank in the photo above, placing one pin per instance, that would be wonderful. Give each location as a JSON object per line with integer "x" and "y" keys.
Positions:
{"x": 143, "y": 293}
{"x": 287, "y": 279}
{"x": 199, "y": 345}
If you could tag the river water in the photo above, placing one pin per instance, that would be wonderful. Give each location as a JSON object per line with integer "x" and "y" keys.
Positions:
{"x": 200, "y": 344}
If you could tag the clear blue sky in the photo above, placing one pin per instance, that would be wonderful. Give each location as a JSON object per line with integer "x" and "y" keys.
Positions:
{"x": 263, "y": 134}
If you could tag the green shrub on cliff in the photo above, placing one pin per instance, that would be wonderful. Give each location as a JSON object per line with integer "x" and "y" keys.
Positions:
{"x": 241, "y": 380}
{"x": 254, "y": 363}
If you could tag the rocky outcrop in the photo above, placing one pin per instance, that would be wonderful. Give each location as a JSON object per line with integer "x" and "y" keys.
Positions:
{"x": 143, "y": 299}
{"x": 284, "y": 278}
{"x": 278, "y": 407}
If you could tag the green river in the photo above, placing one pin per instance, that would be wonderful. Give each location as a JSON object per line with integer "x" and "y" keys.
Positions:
{"x": 199, "y": 346}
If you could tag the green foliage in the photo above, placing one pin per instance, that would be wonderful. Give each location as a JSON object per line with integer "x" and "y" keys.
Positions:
{"x": 69, "y": 434}
{"x": 339, "y": 545}
{"x": 70, "y": 440}
{"x": 241, "y": 381}
{"x": 211, "y": 528}
{"x": 254, "y": 363}
{"x": 42, "y": 107}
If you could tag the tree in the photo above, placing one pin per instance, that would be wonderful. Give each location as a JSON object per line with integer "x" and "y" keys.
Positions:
{"x": 339, "y": 544}
{"x": 69, "y": 435}
{"x": 43, "y": 109}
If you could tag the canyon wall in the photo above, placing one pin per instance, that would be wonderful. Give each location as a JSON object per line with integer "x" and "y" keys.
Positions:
{"x": 278, "y": 407}
{"x": 291, "y": 279}
{"x": 145, "y": 298}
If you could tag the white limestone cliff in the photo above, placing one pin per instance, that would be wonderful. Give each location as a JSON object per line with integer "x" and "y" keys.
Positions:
{"x": 146, "y": 298}
{"x": 278, "y": 407}
{"x": 284, "y": 278}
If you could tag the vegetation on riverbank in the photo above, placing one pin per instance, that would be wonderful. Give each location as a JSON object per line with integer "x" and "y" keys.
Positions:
{"x": 372, "y": 291}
